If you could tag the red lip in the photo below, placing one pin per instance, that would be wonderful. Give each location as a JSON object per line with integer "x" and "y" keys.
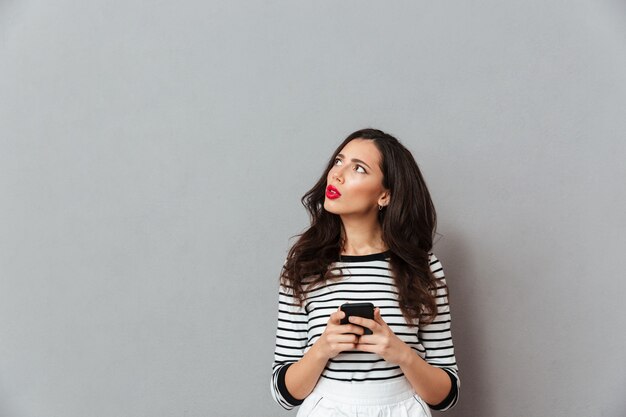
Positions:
{"x": 332, "y": 192}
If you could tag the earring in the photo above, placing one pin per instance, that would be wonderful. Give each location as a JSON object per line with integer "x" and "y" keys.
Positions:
{"x": 380, "y": 208}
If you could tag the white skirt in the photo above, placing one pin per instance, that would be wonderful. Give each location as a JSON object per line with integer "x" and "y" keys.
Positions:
{"x": 395, "y": 398}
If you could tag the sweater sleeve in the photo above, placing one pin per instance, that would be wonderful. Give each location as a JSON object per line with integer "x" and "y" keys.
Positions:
{"x": 291, "y": 340}
{"x": 436, "y": 338}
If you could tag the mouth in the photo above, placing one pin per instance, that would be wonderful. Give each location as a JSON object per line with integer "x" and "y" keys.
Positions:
{"x": 332, "y": 192}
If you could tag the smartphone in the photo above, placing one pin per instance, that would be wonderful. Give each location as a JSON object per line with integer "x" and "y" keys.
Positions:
{"x": 358, "y": 309}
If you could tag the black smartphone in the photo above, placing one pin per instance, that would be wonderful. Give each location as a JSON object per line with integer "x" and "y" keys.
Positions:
{"x": 358, "y": 309}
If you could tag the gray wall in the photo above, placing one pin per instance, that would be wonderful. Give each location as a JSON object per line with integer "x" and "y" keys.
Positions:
{"x": 153, "y": 154}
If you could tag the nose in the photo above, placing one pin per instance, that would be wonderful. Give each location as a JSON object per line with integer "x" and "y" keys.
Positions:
{"x": 335, "y": 176}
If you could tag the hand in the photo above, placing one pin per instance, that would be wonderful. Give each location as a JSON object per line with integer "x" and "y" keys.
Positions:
{"x": 383, "y": 341}
{"x": 336, "y": 337}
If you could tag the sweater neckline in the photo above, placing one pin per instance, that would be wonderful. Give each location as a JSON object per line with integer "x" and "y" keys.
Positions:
{"x": 380, "y": 256}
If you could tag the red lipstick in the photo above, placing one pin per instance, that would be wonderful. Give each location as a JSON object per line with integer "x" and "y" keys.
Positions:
{"x": 332, "y": 192}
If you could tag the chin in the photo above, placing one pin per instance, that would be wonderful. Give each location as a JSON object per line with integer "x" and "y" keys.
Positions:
{"x": 330, "y": 210}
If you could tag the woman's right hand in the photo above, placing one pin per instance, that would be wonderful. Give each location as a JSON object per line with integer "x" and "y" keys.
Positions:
{"x": 338, "y": 337}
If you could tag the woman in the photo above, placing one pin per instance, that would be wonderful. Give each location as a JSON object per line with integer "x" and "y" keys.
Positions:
{"x": 372, "y": 222}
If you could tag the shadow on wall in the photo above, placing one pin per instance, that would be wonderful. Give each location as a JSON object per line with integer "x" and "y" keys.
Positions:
{"x": 467, "y": 332}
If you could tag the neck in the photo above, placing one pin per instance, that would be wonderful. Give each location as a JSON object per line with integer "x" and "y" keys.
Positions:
{"x": 362, "y": 236}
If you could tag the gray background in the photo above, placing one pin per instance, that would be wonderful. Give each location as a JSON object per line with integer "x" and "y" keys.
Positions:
{"x": 153, "y": 154}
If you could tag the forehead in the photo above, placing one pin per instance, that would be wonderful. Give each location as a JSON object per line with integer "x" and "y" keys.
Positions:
{"x": 364, "y": 150}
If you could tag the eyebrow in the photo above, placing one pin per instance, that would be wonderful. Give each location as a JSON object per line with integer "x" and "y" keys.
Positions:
{"x": 342, "y": 156}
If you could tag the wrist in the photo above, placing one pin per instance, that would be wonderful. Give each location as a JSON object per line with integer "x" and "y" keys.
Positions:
{"x": 317, "y": 353}
{"x": 408, "y": 356}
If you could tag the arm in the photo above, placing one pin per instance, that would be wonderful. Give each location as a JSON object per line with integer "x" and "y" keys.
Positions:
{"x": 439, "y": 357}
{"x": 303, "y": 375}
{"x": 291, "y": 339}
{"x": 296, "y": 372}
{"x": 430, "y": 382}
{"x": 433, "y": 378}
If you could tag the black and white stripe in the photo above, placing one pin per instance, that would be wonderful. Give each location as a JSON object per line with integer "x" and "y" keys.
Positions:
{"x": 366, "y": 278}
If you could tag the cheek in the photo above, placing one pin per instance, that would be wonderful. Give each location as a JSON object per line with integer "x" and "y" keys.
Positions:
{"x": 363, "y": 190}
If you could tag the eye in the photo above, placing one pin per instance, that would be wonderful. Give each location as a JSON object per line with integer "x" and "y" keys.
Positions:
{"x": 357, "y": 166}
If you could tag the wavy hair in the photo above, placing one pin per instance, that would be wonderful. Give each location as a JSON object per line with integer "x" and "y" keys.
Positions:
{"x": 408, "y": 225}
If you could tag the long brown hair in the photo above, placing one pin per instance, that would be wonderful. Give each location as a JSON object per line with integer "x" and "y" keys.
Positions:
{"x": 408, "y": 225}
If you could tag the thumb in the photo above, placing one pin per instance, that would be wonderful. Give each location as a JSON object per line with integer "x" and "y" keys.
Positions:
{"x": 377, "y": 317}
{"x": 337, "y": 316}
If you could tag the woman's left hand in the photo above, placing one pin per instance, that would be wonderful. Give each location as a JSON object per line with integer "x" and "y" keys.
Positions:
{"x": 383, "y": 341}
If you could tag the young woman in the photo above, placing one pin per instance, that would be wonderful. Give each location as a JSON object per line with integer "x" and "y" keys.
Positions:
{"x": 370, "y": 240}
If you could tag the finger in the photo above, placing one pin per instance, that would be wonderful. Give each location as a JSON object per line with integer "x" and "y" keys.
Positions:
{"x": 362, "y": 321}
{"x": 336, "y": 316}
{"x": 377, "y": 317}
{"x": 337, "y": 332}
{"x": 343, "y": 338}
{"x": 366, "y": 348}
{"x": 368, "y": 339}
{"x": 342, "y": 347}
{"x": 350, "y": 328}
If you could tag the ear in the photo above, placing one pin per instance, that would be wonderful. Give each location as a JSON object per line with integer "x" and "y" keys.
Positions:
{"x": 385, "y": 199}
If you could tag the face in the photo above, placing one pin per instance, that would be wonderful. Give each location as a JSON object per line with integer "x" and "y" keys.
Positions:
{"x": 357, "y": 177}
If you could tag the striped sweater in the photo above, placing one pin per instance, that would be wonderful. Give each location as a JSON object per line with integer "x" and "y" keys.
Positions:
{"x": 366, "y": 278}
